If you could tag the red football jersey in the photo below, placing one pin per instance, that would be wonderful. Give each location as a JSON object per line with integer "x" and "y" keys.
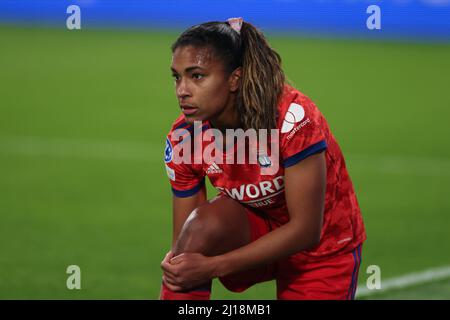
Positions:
{"x": 303, "y": 131}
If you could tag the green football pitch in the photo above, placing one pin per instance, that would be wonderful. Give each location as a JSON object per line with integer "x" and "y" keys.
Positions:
{"x": 83, "y": 119}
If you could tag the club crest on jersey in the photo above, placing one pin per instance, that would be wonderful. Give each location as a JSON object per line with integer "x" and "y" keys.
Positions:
{"x": 168, "y": 153}
{"x": 264, "y": 161}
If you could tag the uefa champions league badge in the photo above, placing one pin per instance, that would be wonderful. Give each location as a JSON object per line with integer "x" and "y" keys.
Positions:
{"x": 168, "y": 152}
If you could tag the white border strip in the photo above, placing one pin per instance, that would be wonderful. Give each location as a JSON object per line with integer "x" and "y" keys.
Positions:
{"x": 407, "y": 280}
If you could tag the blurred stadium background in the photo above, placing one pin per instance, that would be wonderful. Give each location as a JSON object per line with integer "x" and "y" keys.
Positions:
{"x": 84, "y": 114}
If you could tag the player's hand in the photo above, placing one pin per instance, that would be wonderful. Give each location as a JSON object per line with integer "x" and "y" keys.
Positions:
{"x": 187, "y": 270}
{"x": 168, "y": 278}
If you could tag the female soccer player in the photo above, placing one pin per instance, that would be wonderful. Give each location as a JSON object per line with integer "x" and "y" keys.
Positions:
{"x": 299, "y": 224}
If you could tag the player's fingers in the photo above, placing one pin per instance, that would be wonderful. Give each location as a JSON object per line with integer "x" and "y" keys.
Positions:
{"x": 169, "y": 269}
{"x": 166, "y": 260}
{"x": 168, "y": 256}
{"x": 170, "y": 278}
{"x": 171, "y": 286}
{"x": 177, "y": 259}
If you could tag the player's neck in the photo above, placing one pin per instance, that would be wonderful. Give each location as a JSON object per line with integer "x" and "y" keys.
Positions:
{"x": 227, "y": 119}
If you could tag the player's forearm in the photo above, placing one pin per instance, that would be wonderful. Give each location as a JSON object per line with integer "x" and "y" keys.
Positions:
{"x": 277, "y": 244}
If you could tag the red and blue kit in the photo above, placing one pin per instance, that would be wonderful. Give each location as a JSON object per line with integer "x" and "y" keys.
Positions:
{"x": 327, "y": 271}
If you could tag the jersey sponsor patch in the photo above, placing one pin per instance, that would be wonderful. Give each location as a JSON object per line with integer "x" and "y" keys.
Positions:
{"x": 257, "y": 192}
{"x": 295, "y": 114}
{"x": 168, "y": 151}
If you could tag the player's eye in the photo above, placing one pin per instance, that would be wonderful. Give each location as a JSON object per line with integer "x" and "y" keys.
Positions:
{"x": 197, "y": 76}
{"x": 176, "y": 77}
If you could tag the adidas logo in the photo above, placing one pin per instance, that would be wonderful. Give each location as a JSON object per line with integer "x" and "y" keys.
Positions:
{"x": 214, "y": 168}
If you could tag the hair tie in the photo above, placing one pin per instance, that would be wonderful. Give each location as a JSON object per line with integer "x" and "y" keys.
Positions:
{"x": 236, "y": 24}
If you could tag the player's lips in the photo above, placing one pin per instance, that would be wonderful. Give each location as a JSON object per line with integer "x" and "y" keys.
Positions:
{"x": 188, "y": 110}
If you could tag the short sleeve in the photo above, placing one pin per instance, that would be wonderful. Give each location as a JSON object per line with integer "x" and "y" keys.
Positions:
{"x": 185, "y": 179}
{"x": 302, "y": 133}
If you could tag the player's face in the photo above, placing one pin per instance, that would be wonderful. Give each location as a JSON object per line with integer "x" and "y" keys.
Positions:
{"x": 203, "y": 88}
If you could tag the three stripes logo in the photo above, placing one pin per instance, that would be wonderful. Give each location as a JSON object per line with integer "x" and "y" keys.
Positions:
{"x": 213, "y": 168}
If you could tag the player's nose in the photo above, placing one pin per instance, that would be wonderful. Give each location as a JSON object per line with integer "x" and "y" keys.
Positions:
{"x": 182, "y": 89}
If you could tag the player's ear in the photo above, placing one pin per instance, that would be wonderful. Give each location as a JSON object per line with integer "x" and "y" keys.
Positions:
{"x": 234, "y": 79}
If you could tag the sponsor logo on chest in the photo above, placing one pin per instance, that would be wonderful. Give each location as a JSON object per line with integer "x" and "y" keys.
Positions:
{"x": 256, "y": 192}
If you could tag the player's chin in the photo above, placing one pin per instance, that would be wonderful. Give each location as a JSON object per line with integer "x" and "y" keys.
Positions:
{"x": 192, "y": 118}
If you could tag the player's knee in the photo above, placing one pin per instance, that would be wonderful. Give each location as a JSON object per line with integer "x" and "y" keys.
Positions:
{"x": 205, "y": 224}
{"x": 202, "y": 232}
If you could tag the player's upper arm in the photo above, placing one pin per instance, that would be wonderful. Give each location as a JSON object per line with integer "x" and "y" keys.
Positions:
{"x": 305, "y": 186}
